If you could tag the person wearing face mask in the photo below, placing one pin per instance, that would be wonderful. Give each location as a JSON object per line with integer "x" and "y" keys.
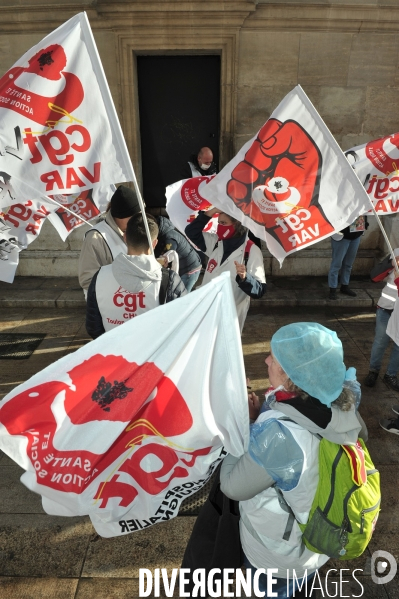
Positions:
{"x": 200, "y": 165}
{"x": 230, "y": 250}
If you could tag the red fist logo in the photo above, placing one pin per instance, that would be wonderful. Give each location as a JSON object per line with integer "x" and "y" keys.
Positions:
{"x": 279, "y": 177}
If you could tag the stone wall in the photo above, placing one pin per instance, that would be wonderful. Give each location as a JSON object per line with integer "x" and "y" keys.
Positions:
{"x": 344, "y": 54}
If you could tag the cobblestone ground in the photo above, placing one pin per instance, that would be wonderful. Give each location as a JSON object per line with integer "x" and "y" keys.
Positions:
{"x": 63, "y": 558}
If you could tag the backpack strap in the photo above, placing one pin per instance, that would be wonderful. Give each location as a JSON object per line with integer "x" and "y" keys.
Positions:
{"x": 281, "y": 499}
{"x": 248, "y": 246}
{"x": 164, "y": 285}
{"x": 286, "y": 508}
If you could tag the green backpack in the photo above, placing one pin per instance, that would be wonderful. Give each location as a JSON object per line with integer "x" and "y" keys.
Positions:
{"x": 346, "y": 504}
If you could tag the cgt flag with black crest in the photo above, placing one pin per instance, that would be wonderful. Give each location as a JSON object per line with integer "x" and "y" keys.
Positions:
{"x": 291, "y": 185}
{"x": 123, "y": 431}
{"x": 59, "y": 131}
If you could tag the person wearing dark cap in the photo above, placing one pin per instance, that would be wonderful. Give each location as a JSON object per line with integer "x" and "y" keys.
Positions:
{"x": 103, "y": 242}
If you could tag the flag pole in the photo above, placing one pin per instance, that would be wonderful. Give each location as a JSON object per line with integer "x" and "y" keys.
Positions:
{"x": 70, "y": 211}
{"x": 140, "y": 199}
{"x": 111, "y": 112}
{"x": 396, "y": 268}
{"x": 246, "y": 235}
{"x": 42, "y": 196}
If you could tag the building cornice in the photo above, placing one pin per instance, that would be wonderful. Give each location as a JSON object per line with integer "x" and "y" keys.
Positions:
{"x": 182, "y": 14}
{"x": 123, "y": 14}
{"x": 307, "y": 16}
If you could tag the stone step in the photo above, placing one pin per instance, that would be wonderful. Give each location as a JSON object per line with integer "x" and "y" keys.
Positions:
{"x": 314, "y": 261}
{"x": 65, "y": 292}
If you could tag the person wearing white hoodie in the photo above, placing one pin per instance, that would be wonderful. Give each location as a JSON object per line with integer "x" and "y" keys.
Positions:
{"x": 312, "y": 396}
{"x": 105, "y": 240}
{"x": 133, "y": 284}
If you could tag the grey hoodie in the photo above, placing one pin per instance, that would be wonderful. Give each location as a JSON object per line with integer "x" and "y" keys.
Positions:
{"x": 135, "y": 274}
{"x": 95, "y": 252}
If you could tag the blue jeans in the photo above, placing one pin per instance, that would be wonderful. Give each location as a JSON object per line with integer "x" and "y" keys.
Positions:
{"x": 279, "y": 587}
{"x": 343, "y": 256}
{"x": 190, "y": 280}
{"x": 380, "y": 344}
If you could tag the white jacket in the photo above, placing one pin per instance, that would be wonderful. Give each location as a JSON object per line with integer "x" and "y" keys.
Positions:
{"x": 255, "y": 267}
{"x": 393, "y": 324}
{"x": 263, "y": 520}
{"x": 389, "y": 294}
{"x": 142, "y": 280}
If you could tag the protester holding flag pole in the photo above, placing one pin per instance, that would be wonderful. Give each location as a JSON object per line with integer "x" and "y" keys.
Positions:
{"x": 310, "y": 398}
{"x": 229, "y": 250}
{"x": 134, "y": 283}
{"x": 105, "y": 240}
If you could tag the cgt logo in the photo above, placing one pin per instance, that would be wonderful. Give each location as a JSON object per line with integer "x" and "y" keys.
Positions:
{"x": 383, "y": 567}
{"x": 212, "y": 264}
{"x": 129, "y": 301}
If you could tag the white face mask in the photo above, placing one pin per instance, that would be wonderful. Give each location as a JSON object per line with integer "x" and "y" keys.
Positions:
{"x": 205, "y": 167}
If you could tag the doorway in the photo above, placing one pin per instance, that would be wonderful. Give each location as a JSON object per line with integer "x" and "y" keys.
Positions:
{"x": 179, "y": 109}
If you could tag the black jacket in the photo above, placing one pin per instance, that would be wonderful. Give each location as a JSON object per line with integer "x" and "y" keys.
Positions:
{"x": 94, "y": 321}
{"x": 186, "y": 171}
{"x": 170, "y": 239}
{"x": 251, "y": 286}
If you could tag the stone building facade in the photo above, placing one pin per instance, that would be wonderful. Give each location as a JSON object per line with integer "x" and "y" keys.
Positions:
{"x": 344, "y": 53}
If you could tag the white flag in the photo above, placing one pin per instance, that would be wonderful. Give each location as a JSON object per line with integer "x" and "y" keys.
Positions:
{"x": 59, "y": 132}
{"x": 86, "y": 204}
{"x": 9, "y": 252}
{"x": 184, "y": 200}
{"x": 24, "y": 220}
{"x": 377, "y": 166}
{"x": 290, "y": 184}
{"x": 134, "y": 422}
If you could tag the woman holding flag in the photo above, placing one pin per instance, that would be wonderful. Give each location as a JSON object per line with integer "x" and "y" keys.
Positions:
{"x": 312, "y": 396}
{"x": 230, "y": 250}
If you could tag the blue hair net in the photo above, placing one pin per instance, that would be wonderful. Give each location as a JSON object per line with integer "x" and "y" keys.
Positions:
{"x": 312, "y": 357}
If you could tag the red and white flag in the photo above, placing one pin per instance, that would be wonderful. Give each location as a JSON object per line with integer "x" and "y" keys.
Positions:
{"x": 22, "y": 221}
{"x": 376, "y": 163}
{"x": 125, "y": 430}
{"x": 291, "y": 185}
{"x": 9, "y": 251}
{"x": 183, "y": 201}
{"x": 59, "y": 131}
{"x": 19, "y": 226}
{"x": 86, "y": 205}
